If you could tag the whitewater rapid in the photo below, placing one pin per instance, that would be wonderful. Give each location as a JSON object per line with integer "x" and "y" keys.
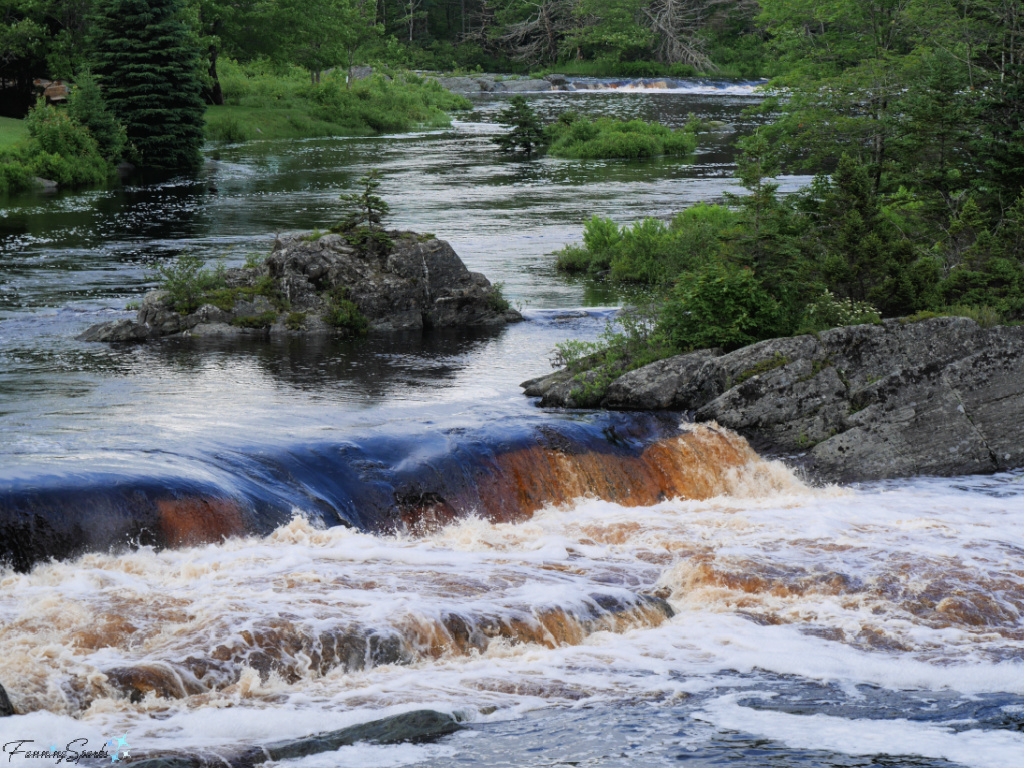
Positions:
{"x": 914, "y": 588}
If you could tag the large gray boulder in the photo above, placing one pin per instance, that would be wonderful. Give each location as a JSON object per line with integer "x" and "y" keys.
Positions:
{"x": 938, "y": 397}
{"x": 415, "y": 282}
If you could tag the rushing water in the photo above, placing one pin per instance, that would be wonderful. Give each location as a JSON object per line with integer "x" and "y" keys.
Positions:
{"x": 754, "y": 621}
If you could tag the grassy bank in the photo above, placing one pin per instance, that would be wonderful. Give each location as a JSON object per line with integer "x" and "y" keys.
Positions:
{"x": 267, "y": 103}
{"x": 12, "y": 131}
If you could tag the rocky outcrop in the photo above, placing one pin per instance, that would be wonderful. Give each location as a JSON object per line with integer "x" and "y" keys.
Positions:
{"x": 324, "y": 284}
{"x": 496, "y": 84}
{"x": 937, "y": 397}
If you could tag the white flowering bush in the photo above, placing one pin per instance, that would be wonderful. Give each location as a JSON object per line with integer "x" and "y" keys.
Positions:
{"x": 828, "y": 311}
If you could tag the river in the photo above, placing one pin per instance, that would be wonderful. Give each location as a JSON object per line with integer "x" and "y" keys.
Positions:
{"x": 757, "y": 621}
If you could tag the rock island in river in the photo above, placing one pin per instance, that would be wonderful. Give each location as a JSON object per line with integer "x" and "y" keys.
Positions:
{"x": 324, "y": 284}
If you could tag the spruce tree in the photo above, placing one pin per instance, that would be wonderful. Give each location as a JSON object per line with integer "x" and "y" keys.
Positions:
{"x": 147, "y": 62}
{"x": 525, "y": 133}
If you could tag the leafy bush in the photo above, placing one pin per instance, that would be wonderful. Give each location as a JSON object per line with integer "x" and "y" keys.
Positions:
{"x": 87, "y": 108}
{"x": 649, "y": 251}
{"x": 828, "y": 311}
{"x": 188, "y": 282}
{"x": 719, "y": 305}
{"x": 58, "y": 149}
{"x": 580, "y": 138}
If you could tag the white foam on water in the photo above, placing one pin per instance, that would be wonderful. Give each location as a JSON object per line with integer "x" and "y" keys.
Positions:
{"x": 917, "y": 585}
{"x": 974, "y": 748}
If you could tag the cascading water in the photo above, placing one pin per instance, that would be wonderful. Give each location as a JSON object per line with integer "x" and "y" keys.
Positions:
{"x": 259, "y": 542}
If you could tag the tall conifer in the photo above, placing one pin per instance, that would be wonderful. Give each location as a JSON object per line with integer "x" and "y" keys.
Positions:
{"x": 147, "y": 62}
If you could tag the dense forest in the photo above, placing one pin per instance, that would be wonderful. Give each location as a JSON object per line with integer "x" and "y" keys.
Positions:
{"x": 49, "y": 38}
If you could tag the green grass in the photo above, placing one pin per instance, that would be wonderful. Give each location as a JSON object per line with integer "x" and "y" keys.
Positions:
{"x": 264, "y": 103}
{"x": 238, "y": 124}
{"x": 12, "y": 131}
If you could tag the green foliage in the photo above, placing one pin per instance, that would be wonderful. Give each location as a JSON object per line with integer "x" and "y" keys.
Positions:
{"x": 318, "y": 34}
{"x": 342, "y": 313}
{"x": 88, "y": 109}
{"x": 525, "y": 133}
{"x": 578, "y": 137}
{"x": 188, "y": 281}
{"x": 147, "y": 63}
{"x": 58, "y": 149}
{"x": 365, "y": 209}
{"x": 986, "y": 317}
{"x": 719, "y": 305}
{"x": 496, "y": 298}
{"x": 631, "y": 340}
{"x": 269, "y": 102}
{"x": 229, "y": 128}
{"x": 649, "y": 251}
{"x": 828, "y": 311}
{"x": 264, "y": 320}
{"x": 295, "y": 321}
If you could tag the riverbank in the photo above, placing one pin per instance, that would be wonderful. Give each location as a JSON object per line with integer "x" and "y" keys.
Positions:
{"x": 264, "y": 104}
{"x": 867, "y": 402}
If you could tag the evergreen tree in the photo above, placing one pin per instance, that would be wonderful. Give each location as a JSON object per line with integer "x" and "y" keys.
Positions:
{"x": 147, "y": 62}
{"x": 365, "y": 209}
{"x": 525, "y": 133}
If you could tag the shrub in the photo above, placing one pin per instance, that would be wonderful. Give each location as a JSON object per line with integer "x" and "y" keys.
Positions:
{"x": 649, "y": 251}
{"x": 828, "y": 311}
{"x": 88, "y": 109}
{"x": 343, "y": 313}
{"x": 582, "y": 139}
{"x": 719, "y": 305}
{"x": 188, "y": 281}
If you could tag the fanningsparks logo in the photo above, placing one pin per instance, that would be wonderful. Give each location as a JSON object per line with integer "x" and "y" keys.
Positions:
{"x": 116, "y": 749}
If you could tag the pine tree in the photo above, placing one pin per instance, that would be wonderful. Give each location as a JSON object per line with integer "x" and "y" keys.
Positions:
{"x": 524, "y": 129}
{"x": 147, "y": 62}
{"x": 365, "y": 209}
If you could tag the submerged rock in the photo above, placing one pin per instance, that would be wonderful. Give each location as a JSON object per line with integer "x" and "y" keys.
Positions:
{"x": 937, "y": 397}
{"x": 326, "y": 285}
{"x": 6, "y": 708}
{"x": 409, "y": 727}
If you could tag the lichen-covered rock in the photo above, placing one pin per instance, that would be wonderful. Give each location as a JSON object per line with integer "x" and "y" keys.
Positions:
{"x": 414, "y": 282}
{"x": 938, "y": 397}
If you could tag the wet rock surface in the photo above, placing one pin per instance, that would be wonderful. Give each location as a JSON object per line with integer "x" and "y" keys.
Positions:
{"x": 938, "y": 397}
{"x": 409, "y": 727}
{"x": 416, "y": 282}
{"x": 6, "y": 708}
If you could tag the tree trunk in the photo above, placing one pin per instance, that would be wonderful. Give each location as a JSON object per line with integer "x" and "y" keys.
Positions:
{"x": 215, "y": 95}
